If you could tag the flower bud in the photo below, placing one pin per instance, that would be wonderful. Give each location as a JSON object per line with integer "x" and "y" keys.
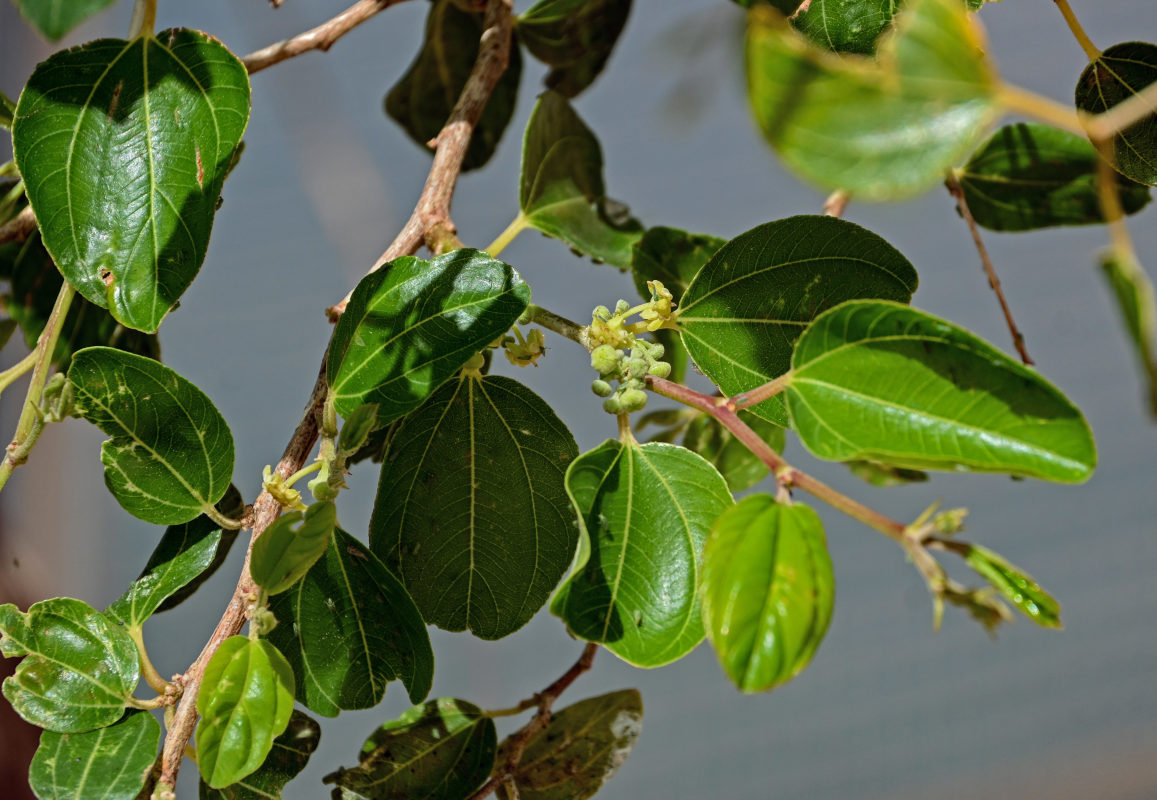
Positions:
{"x": 604, "y": 359}
{"x": 602, "y": 388}
{"x": 660, "y": 369}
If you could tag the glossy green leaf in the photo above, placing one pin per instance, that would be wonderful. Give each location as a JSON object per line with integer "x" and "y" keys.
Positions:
{"x": 171, "y": 455}
{"x": 54, "y": 18}
{"x": 105, "y": 764}
{"x": 291, "y": 546}
{"x": 178, "y": 538}
{"x": 245, "y": 702}
{"x": 574, "y": 37}
{"x": 883, "y": 475}
{"x": 846, "y": 26}
{"x": 644, "y": 512}
{"x": 123, "y": 147}
{"x": 745, "y": 309}
{"x": 768, "y": 591}
{"x": 412, "y": 324}
{"x": 741, "y": 468}
{"x": 1121, "y": 72}
{"x": 885, "y": 382}
{"x": 881, "y": 129}
{"x": 561, "y": 189}
{"x": 1017, "y": 586}
{"x": 472, "y": 512}
{"x": 289, "y": 755}
{"x": 1029, "y": 176}
{"x": 79, "y": 668}
{"x": 422, "y": 100}
{"x": 349, "y": 628}
{"x": 580, "y": 749}
{"x": 442, "y": 750}
{"x": 1137, "y": 302}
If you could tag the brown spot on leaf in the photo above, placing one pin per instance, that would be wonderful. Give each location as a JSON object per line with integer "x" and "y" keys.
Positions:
{"x": 116, "y": 99}
{"x": 106, "y": 276}
{"x": 200, "y": 169}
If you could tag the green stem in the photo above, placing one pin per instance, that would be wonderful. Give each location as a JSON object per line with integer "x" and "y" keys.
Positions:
{"x": 1016, "y": 99}
{"x": 560, "y": 325}
{"x": 144, "y": 19}
{"x": 13, "y": 373}
{"x": 1079, "y": 34}
{"x": 148, "y": 671}
{"x": 301, "y": 473}
{"x": 225, "y": 522}
{"x": 517, "y": 226}
{"x": 759, "y": 393}
{"x": 147, "y": 705}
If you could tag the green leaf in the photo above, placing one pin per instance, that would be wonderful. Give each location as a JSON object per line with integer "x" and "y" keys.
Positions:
{"x": 123, "y": 147}
{"x": 442, "y": 750}
{"x": 575, "y": 37}
{"x": 79, "y": 668}
{"x": 105, "y": 764}
{"x": 741, "y": 468}
{"x": 422, "y": 100}
{"x": 472, "y": 512}
{"x": 54, "y": 18}
{"x": 1017, "y": 586}
{"x": 881, "y": 381}
{"x": 580, "y": 749}
{"x": 644, "y": 512}
{"x": 1029, "y": 176}
{"x": 283, "y": 554}
{"x": 846, "y": 26}
{"x": 357, "y": 429}
{"x": 745, "y": 309}
{"x": 884, "y": 475}
{"x": 412, "y": 324}
{"x": 289, "y": 755}
{"x": 245, "y": 701}
{"x": 1121, "y": 72}
{"x": 349, "y": 628}
{"x": 561, "y": 189}
{"x": 185, "y": 558}
{"x": 768, "y": 591}
{"x": 171, "y": 455}
{"x": 1137, "y": 301}
{"x": 881, "y": 129}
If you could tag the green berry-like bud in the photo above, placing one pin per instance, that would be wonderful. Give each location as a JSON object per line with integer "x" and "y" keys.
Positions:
{"x": 602, "y": 312}
{"x": 604, "y": 359}
{"x": 633, "y": 400}
{"x": 637, "y": 367}
{"x": 660, "y": 369}
{"x": 602, "y": 388}
{"x": 612, "y": 405}
{"x": 657, "y": 350}
{"x": 622, "y": 307}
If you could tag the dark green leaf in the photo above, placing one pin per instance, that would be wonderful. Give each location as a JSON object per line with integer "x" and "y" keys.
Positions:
{"x": 54, "y": 18}
{"x": 472, "y": 511}
{"x": 283, "y": 554}
{"x": 745, "y": 309}
{"x": 7, "y": 328}
{"x": 422, "y": 100}
{"x": 289, "y": 755}
{"x": 644, "y": 512}
{"x": 442, "y": 750}
{"x": 881, "y": 129}
{"x": 1029, "y": 176}
{"x": 106, "y": 764}
{"x": 1137, "y": 301}
{"x": 846, "y": 26}
{"x": 412, "y": 324}
{"x": 79, "y": 668}
{"x": 349, "y": 628}
{"x": 1019, "y": 587}
{"x": 561, "y": 187}
{"x": 178, "y": 538}
{"x": 741, "y": 468}
{"x": 768, "y": 591}
{"x": 245, "y": 702}
{"x": 580, "y": 749}
{"x": 881, "y": 381}
{"x": 171, "y": 455}
{"x": 784, "y": 6}
{"x": 1121, "y": 72}
{"x": 123, "y": 147}
{"x": 671, "y": 256}
{"x": 882, "y": 475}
{"x": 575, "y": 37}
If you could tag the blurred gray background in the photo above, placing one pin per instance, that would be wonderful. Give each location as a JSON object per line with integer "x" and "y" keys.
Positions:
{"x": 888, "y": 709}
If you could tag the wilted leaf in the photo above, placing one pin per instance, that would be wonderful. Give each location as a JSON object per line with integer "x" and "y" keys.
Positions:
{"x": 575, "y": 37}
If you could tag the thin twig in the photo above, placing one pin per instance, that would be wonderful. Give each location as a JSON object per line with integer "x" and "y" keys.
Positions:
{"x": 957, "y": 192}
{"x": 836, "y": 203}
{"x": 1091, "y": 50}
{"x": 560, "y": 325}
{"x": 1126, "y": 113}
{"x": 19, "y": 227}
{"x": 320, "y": 38}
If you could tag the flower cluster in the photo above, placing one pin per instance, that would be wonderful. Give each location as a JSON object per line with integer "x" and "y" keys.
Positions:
{"x": 620, "y": 356}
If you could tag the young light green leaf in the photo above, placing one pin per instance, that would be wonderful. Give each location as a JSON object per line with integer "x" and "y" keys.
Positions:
{"x": 357, "y": 429}
{"x": 105, "y": 764}
{"x": 1029, "y": 176}
{"x": 472, "y": 512}
{"x": 245, "y": 702}
{"x": 768, "y": 591}
{"x": 289, "y": 755}
{"x": 580, "y": 749}
{"x": 1121, "y": 72}
{"x": 442, "y": 750}
{"x": 1138, "y": 304}
{"x": 283, "y": 554}
{"x": 885, "y": 382}
{"x": 741, "y": 468}
{"x": 883, "y": 128}
{"x": 561, "y": 189}
{"x": 154, "y": 122}
{"x": 644, "y": 512}
{"x": 349, "y": 628}
{"x": 412, "y": 324}
{"x": 883, "y": 475}
{"x": 422, "y": 100}
{"x": 575, "y": 37}
{"x": 745, "y": 309}
{"x": 54, "y": 18}
{"x": 1017, "y": 586}
{"x": 79, "y": 668}
{"x": 846, "y": 26}
{"x": 171, "y": 455}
